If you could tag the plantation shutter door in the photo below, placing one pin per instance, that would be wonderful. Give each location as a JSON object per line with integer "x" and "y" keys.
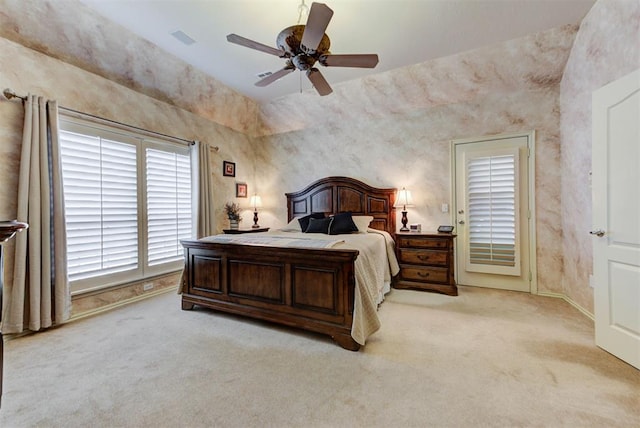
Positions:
{"x": 100, "y": 188}
{"x": 492, "y": 213}
{"x": 169, "y": 217}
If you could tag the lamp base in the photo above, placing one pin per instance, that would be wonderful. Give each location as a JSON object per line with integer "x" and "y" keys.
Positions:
{"x": 405, "y": 220}
{"x": 255, "y": 220}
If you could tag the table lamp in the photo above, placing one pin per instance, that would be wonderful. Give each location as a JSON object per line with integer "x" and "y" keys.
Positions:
{"x": 404, "y": 200}
{"x": 256, "y": 203}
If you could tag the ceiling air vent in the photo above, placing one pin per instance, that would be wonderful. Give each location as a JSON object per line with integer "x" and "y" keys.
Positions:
{"x": 264, "y": 74}
{"x": 182, "y": 36}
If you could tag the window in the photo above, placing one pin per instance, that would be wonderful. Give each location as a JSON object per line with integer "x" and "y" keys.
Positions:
{"x": 492, "y": 192}
{"x": 128, "y": 203}
{"x": 168, "y": 204}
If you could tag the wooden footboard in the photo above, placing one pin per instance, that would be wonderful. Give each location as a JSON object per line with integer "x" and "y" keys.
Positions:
{"x": 311, "y": 289}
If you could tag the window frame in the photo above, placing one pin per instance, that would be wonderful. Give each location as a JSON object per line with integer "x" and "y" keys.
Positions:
{"x": 141, "y": 142}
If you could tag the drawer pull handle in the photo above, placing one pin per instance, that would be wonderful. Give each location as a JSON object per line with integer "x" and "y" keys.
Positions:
{"x": 422, "y": 274}
{"x": 423, "y": 258}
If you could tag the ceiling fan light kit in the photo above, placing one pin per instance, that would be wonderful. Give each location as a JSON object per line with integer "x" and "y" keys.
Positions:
{"x": 305, "y": 45}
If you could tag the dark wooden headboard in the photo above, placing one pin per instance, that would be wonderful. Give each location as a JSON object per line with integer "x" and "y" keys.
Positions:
{"x": 334, "y": 195}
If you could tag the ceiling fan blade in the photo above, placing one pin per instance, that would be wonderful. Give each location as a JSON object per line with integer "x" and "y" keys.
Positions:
{"x": 319, "y": 82}
{"x": 317, "y": 22}
{"x": 275, "y": 76}
{"x": 355, "y": 60}
{"x": 242, "y": 41}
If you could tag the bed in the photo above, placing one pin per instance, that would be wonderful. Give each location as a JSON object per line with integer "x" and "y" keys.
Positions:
{"x": 308, "y": 287}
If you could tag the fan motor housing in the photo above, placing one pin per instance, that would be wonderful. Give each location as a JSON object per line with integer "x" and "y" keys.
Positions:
{"x": 290, "y": 40}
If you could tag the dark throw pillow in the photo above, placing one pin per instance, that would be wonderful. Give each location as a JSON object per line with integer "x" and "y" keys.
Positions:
{"x": 304, "y": 221}
{"x": 319, "y": 225}
{"x": 342, "y": 223}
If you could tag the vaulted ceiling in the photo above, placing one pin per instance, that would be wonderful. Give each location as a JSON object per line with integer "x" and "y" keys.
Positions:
{"x": 401, "y": 32}
{"x": 431, "y": 53}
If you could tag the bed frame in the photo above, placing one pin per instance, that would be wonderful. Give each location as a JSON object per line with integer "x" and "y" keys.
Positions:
{"x": 311, "y": 289}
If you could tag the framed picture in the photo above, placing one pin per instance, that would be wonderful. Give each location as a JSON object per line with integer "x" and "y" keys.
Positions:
{"x": 241, "y": 190}
{"x": 228, "y": 169}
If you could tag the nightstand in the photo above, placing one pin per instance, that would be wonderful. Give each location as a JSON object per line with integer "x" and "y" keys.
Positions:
{"x": 426, "y": 262}
{"x": 238, "y": 231}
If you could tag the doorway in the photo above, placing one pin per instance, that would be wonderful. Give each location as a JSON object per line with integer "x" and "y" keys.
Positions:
{"x": 493, "y": 211}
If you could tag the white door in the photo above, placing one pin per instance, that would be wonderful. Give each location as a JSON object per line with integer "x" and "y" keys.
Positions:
{"x": 492, "y": 212}
{"x": 616, "y": 217}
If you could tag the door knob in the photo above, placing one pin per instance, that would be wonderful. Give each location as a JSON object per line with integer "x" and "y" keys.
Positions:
{"x": 599, "y": 233}
{"x": 461, "y": 222}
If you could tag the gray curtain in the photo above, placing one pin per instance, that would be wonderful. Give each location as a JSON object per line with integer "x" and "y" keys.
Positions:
{"x": 206, "y": 218}
{"x": 39, "y": 295}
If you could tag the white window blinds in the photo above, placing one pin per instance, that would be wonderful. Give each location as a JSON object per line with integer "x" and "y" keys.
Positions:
{"x": 492, "y": 192}
{"x": 100, "y": 193}
{"x": 127, "y": 204}
{"x": 168, "y": 204}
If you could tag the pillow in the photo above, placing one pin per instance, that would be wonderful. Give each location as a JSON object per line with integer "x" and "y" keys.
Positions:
{"x": 362, "y": 222}
{"x": 293, "y": 226}
{"x": 319, "y": 225}
{"x": 304, "y": 221}
{"x": 342, "y": 223}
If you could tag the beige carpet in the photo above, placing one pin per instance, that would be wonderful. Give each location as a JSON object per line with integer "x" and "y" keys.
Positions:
{"x": 484, "y": 358}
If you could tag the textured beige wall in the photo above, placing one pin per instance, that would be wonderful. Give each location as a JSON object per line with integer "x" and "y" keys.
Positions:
{"x": 26, "y": 70}
{"x": 531, "y": 62}
{"x": 389, "y": 129}
{"x": 74, "y": 88}
{"x": 394, "y": 130}
{"x": 70, "y": 31}
{"x": 607, "y": 47}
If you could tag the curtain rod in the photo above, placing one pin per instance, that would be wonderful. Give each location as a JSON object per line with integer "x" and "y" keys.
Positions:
{"x": 9, "y": 94}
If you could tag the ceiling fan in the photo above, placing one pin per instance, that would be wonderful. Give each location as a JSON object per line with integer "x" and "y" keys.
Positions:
{"x": 303, "y": 46}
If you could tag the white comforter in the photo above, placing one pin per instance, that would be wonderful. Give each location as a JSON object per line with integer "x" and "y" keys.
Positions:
{"x": 375, "y": 265}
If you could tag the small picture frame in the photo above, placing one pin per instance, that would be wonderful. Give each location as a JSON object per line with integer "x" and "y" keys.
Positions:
{"x": 241, "y": 190}
{"x": 228, "y": 169}
{"x": 445, "y": 229}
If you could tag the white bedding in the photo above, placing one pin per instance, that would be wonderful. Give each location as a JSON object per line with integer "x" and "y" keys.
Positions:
{"x": 374, "y": 267}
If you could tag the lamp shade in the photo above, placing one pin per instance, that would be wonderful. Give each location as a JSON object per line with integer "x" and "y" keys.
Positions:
{"x": 403, "y": 199}
{"x": 255, "y": 202}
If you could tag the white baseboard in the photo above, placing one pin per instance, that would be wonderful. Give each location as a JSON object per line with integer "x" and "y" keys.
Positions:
{"x": 569, "y": 301}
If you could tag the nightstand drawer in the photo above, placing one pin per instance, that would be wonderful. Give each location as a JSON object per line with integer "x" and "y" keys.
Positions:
{"x": 418, "y": 273}
{"x": 415, "y": 242}
{"x": 407, "y": 255}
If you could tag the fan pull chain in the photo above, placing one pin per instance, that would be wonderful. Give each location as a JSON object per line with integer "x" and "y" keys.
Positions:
{"x": 300, "y": 74}
{"x": 303, "y": 9}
